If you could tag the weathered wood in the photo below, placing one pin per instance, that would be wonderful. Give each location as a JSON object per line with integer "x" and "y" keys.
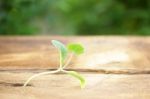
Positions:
{"x": 101, "y": 53}
{"x": 115, "y": 68}
{"x": 99, "y": 86}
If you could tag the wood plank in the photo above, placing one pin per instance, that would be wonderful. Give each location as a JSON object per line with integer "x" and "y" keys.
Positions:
{"x": 60, "y": 86}
{"x": 115, "y": 68}
{"x": 108, "y": 53}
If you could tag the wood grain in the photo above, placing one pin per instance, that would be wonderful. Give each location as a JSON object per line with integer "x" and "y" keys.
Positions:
{"x": 99, "y": 86}
{"x": 100, "y": 53}
{"x": 115, "y": 68}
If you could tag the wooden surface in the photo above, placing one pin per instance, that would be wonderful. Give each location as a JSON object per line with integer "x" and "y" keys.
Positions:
{"x": 115, "y": 68}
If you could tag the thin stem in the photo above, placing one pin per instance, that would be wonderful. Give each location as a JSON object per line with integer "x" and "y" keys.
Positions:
{"x": 39, "y": 74}
{"x": 70, "y": 58}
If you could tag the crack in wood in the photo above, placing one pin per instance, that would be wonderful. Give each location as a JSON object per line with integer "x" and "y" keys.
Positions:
{"x": 100, "y": 71}
{"x": 93, "y": 71}
{"x": 13, "y": 84}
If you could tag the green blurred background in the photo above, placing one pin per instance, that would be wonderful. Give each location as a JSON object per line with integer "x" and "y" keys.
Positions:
{"x": 74, "y": 17}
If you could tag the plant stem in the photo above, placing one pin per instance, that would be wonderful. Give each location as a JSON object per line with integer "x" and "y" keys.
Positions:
{"x": 39, "y": 74}
{"x": 70, "y": 58}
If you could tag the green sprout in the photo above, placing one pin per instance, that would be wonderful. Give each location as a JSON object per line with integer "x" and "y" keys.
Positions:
{"x": 74, "y": 49}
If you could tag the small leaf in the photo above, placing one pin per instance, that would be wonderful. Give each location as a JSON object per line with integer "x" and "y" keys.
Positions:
{"x": 62, "y": 49}
{"x": 76, "y": 48}
{"x": 79, "y": 77}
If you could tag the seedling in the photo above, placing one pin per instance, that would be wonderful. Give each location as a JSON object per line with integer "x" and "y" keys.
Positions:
{"x": 74, "y": 49}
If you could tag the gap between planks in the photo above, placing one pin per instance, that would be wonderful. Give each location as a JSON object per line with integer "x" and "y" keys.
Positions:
{"x": 98, "y": 71}
{"x": 85, "y": 71}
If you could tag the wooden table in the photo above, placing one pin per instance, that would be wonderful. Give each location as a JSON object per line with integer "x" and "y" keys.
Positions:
{"x": 115, "y": 67}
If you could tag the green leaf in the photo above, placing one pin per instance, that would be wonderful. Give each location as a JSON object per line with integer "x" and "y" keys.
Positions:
{"x": 76, "y": 48}
{"x": 62, "y": 49}
{"x": 79, "y": 77}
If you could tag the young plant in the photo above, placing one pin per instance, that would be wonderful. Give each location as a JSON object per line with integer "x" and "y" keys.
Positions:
{"x": 74, "y": 49}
